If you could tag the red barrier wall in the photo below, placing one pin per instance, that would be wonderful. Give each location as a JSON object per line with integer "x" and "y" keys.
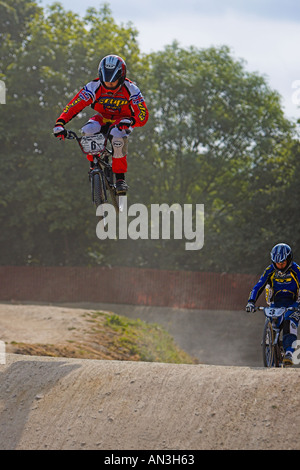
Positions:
{"x": 135, "y": 286}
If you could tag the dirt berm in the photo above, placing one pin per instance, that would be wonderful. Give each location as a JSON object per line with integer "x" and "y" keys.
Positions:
{"x": 51, "y": 403}
{"x": 59, "y": 403}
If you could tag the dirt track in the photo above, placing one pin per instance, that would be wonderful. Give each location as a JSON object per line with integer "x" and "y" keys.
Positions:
{"x": 48, "y": 403}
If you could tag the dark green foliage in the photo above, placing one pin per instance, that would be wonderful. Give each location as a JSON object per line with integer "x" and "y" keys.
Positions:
{"x": 216, "y": 136}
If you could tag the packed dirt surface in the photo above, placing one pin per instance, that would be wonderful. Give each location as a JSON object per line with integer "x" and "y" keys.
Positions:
{"x": 40, "y": 323}
{"x": 63, "y": 403}
{"x": 214, "y": 337}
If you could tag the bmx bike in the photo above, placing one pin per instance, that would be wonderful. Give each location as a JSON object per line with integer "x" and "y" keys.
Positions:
{"x": 272, "y": 347}
{"x": 101, "y": 176}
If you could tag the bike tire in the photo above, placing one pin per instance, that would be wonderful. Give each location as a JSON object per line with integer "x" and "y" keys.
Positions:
{"x": 279, "y": 352}
{"x": 268, "y": 350}
{"x": 98, "y": 190}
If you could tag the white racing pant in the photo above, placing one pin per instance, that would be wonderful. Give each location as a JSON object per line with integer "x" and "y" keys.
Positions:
{"x": 119, "y": 143}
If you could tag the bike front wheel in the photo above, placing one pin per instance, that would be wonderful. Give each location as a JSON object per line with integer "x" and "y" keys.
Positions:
{"x": 98, "y": 190}
{"x": 279, "y": 351}
{"x": 268, "y": 350}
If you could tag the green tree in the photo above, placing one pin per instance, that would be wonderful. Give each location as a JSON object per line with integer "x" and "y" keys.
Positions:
{"x": 218, "y": 134}
{"x": 45, "y": 197}
{"x": 15, "y": 20}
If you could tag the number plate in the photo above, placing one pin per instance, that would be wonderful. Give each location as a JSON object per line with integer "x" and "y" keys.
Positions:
{"x": 93, "y": 143}
{"x": 275, "y": 312}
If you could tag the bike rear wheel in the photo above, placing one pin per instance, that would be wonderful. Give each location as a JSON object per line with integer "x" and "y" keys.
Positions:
{"x": 117, "y": 201}
{"x": 114, "y": 198}
{"x": 268, "y": 350}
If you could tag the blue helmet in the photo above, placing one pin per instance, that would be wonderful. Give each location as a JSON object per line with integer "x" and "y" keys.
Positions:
{"x": 282, "y": 252}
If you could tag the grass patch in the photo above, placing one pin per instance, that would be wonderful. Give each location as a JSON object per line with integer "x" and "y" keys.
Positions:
{"x": 113, "y": 337}
{"x": 149, "y": 341}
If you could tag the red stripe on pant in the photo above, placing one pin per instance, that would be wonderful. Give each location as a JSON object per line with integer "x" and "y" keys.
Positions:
{"x": 119, "y": 165}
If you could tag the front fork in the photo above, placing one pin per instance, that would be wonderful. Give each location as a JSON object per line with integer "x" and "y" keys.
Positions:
{"x": 276, "y": 335}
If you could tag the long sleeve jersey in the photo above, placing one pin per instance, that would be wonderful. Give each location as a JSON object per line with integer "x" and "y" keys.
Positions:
{"x": 126, "y": 102}
{"x": 284, "y": 288}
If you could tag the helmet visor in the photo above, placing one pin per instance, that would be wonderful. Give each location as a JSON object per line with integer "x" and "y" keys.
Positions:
{"x": 111, "y": 69}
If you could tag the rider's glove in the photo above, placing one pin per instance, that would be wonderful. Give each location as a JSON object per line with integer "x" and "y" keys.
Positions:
{"x": 250, "y": 307}
{"x": 60, "y": 131}
{"x": 124, "y": 124}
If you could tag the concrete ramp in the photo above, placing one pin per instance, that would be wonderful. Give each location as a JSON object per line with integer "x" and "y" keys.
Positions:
{"x": 57, "y": 403}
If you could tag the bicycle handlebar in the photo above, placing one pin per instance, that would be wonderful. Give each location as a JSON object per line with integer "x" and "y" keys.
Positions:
{"x": 72, "y": 135}
{"x": 263, "y": 308}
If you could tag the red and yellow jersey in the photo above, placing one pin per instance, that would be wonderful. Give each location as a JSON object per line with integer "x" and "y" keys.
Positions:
{"x": 112, "y": 106}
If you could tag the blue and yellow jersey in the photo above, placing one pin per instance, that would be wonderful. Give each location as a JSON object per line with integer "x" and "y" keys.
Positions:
{"x": 284, "y": 287}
